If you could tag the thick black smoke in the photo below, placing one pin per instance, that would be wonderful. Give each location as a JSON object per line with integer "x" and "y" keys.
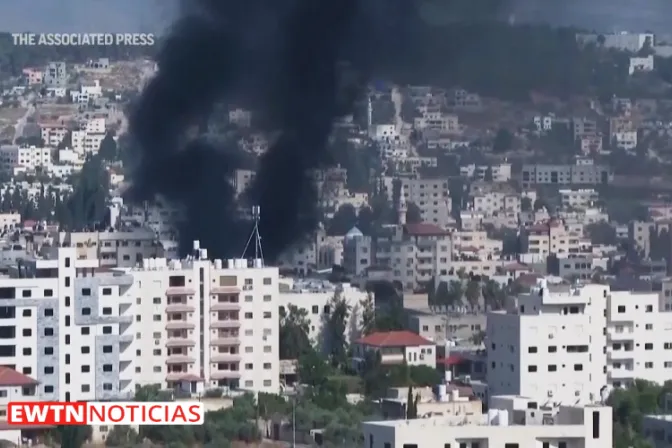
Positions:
{"x": 284, "y": 59}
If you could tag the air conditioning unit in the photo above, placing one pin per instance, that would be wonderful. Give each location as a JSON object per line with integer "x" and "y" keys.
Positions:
{"x": 550, "y": 393}
{"x": 265, "y": 338}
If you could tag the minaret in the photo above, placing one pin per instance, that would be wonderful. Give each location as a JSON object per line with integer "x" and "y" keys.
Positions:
{"x": 369, "y": 114}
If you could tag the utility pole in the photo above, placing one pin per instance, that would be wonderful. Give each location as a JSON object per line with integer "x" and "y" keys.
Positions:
{"x": 294, "y": 422}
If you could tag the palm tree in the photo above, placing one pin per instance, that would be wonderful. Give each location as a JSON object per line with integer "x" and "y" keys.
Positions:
{"x": 455, "y": 293}
{"x": 493, "y": 295}
{"x": 473, "y": 293}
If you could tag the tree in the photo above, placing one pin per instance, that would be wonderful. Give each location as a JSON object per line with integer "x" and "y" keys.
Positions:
{"x": 526, "y": 204}
{"x": 368, "y": 315}
{"x": 335, "y": 340}
{"x": 601, "y": 233}
{"x": 294, "y": 331}
{"x": 72, "y": 436}
{"x": 108, "y": 148}
{"x": 494, "y": 295}
{"x": 411, "y": 405}
{"x": 122, "y": 436}
{"x": 503, "y": 141}
{"x": 413, "y": 214}
{"x": 312, "y": 369}
{"x": 87, "y": 204}
{"x": 473, "y": 293}
{"x": 455, "y": 293}
{"x": 66, "y": 141}
{"x": 488, "y": 175}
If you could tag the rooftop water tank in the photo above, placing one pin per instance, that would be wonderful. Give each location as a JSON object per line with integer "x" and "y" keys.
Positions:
{"x": 197, "y": 245}
{"x": 441, "y": 393}
{"x": 218, "y": 264}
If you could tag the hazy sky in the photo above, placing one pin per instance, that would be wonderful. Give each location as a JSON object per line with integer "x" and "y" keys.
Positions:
{"x": 154, "y": 15}
{"x": 110, "y": 16}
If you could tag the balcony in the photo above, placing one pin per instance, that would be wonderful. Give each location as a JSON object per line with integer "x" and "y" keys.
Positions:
{"x": 225, "y": 290}
{"x": 179, "y": 308}
{"x": 229, "y": 323}
{"x": 621, "y": 335}
{"x": 224, "y": 341}
{"x": 225, "y": 306}
{"x": 179, "y": 359}
{"x": 180, "y": 342}
{"x": 225, "y": 357}
{"x": 180, "y": 325}
{"x": 225, "y": 374}
{"x": 620, "y": 354}
{"x": 180, "y": 291}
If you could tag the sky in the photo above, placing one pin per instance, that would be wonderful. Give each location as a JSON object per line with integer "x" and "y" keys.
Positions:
{"x": 154, "y": 15}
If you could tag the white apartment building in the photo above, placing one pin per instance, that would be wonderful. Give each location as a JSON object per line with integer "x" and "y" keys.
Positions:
{"x": 53, "y": 133}
{"x": 88, "y": 334}
{"x": 504, "y": 426}
{"x": 432, "y": 196}
{"x": 564, "y": 344}
{"x": 578, "y": 198}
{"x": 626, "y": 140}
{"x": 551, "y": 237}
{"x": 315, "y": 297}
{"x": 551, "y": 348}
{"x": 577, "y": 174}
{"x": 27, "y": 158}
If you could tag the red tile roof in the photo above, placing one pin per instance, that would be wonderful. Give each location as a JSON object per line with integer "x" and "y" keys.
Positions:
{"x": 451, "y": 360}
{"x": 394, "y": 339}
{"x": 10, "y": 377}
{"x": 424, "y": 229}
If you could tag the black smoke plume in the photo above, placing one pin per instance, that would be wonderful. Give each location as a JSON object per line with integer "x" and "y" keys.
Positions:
{"x": 285, "y": 59}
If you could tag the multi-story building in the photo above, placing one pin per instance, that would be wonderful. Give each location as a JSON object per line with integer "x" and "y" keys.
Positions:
{"x": 24, "y": 158}
{"x": 431, "y": 196}
{"x": 126, "y": 248}
{"x": 509, "y": 423}
{"x": 396, "y": 347}
{"x": 578, "y": 198}
{"x": 567, "y": 343}
{"x": 577, "y": 174}
{"x": 415, "y": 254}
{"x": 56, "y": 74}
{"x": 315, "y": 297}
{"x": 551, "y": 237}
{"x": 88, "y": 334}
{"x": 552, "y": 346}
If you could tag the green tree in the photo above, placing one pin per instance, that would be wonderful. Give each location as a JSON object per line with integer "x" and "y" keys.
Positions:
{"x": 368, "y": 314}
{"x": 122, "y": 436}
{"x": 473, "y": 292}
{"x": 313, "y": 370}
{"x": 335, "y": 341}
{"x": 411, "y": 405}
{"x": 87, "y": 204}
{"x": 413, "y": 214}
{"x": 72, "y": 436}
{"x": 455, "y": 293}
{"x": 294, "y": 331}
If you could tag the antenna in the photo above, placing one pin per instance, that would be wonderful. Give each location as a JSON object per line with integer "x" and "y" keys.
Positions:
{"x": 258, "y": 252}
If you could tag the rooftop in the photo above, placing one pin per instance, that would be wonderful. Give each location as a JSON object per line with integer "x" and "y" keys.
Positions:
{"x": 10, "y": 377}
{"x": 394, "y": 339}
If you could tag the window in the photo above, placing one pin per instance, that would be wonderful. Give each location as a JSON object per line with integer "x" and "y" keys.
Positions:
{"x": 578, "y": 367}
{"x": 552, "y": 349}
{"x": 86, "y": 350}
{"x": 157, "y": 369}
{"x": 267, "y": 298}
{"x": 48, "y": 293}
{"x": 157, "y": 335}
{"x": 85, "y": 331}
{"x": 107, "y": 291}
{"x": 48, "y": 389}
{"x": 67, "y": 262}
{"x": 67, "y": 300}
{"x": 48, "y": 312}
{"x": 249, "y": 366}
{"x": 316, "y": 309}
{"x": 27, "y": 351}
{"x": 531, "y": 368}
{"x": 67, "y": 359}
{"x": 27, "y": 332}
{"x": 267, "y": 383}
{"x": 267, "y": 314}
{"x": 648, "y": 365}
{"x": 86, "y": 291}
{"x": 67, "y": 339}
{"x": 26, "y": 313}
{"x": 107, "y": 386}
{"x": 649, "y": 326}
{"x": 552, "y": 368}
{"x": 249, "y": 349}
{"x": 267, "y": 281}
{"x": 156, "y": 318}
{"x": 27, "y": 371}
{"x": 648, "y": 346}
{"x": 248, "y": 298}
{"x": 511, "y": 445}
{"x": 48, "y": 350}
{"x": 48, "y": 370}
{"x": 157, "y": 352}
{"x": 86, "y": 369}
{"x": 596, "y": 424}
{"x": 86, "y": 388}
{"x": 249, "y": 316}
{"x": 67, "y": 378}
{"x": 67, "y": 282}
{"x": 86, "y": 311}
{"x": 107, "y": 367}
{"x": 267, "y": 349}
{"x": 531, "y": 349}
{"x": 138, "y": 318}
{"x": 649, "y": 308}
{"x": 156, "y": 300}
{"x": 107, "y": 349}
{"x": 67, "y": 321}
{"x": 107, "y": 311}
{"x": 48, "y": 331}
{"x": 107, "y": 329}
{"x": 621, "y": 308}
